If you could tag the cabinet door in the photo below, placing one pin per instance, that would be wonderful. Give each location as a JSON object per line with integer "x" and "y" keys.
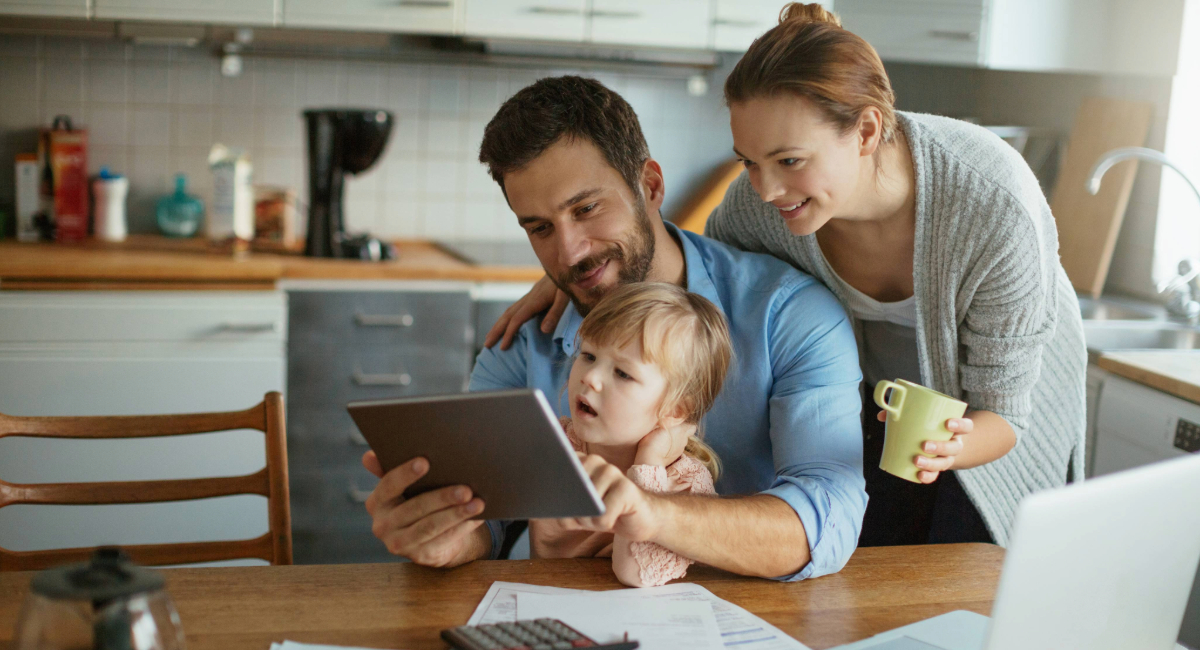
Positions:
{"x": 124, "y": 354}
{"x": 413, "y": 16}
{"x": 552, "y": 20}
{"x": 920, "y": 31}
{"x": 131, "y": 378}
{"x": 241, "y": 12}
{"x": 656, "y": 23}
{"x": 736, "y": 23}
{"x": 61, "y": 8}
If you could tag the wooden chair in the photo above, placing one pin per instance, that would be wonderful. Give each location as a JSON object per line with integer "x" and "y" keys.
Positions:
{"x": 271, "y": 481}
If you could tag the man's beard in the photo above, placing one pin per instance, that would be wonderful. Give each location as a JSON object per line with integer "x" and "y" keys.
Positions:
{"x": 633, "y": 255}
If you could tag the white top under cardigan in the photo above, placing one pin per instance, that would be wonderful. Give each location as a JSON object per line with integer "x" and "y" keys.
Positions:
{"x": 998, "y": 323}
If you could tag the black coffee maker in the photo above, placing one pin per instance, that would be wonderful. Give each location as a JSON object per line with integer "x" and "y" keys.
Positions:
{"x": 340, "y": 141}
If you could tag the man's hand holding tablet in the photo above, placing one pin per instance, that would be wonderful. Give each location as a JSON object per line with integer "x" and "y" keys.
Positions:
{"x": 434, "y": 528}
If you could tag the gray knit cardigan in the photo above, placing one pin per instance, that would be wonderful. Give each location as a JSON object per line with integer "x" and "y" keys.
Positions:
{"x": 998, "y": 323}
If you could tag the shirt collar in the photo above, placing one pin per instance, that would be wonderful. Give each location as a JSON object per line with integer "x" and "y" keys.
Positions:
{"x": 698, "y": 282}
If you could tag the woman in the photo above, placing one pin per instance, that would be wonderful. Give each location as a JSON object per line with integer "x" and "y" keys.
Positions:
{"x": 934, "y": 235}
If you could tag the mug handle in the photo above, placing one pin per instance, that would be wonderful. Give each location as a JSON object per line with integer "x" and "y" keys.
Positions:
{"x": 881, "y": 390}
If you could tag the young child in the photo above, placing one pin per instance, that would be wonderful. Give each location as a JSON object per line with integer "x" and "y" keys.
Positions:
{"x": 651, "y": 361}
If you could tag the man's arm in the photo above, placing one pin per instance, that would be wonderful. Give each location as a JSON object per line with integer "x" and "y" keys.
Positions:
{"x": 807, "y": 523}
{"x": 758, "y": 535}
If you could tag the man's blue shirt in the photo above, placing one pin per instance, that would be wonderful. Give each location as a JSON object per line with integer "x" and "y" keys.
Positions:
{"x": 787, "y": 420}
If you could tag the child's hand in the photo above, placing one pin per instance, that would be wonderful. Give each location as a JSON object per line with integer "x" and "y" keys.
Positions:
{"x": 627, "y": 508}
{"x": 663, "y": 446}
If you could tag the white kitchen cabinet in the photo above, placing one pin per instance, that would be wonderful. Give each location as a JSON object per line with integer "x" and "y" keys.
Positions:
{"x": 101, "y": 353}
{"x": 408, "y": 16}
{"x": 1096, "y": 376}
{"x": 1098, "y": 36}
{"x": 653, "y": 23}
{"x": 57, "y": 8}
{"x": 543, "y": 20}
{"x": 736, "y": 23}
{"x": 1137, "y": 425}
{"x": 237, "y": 12}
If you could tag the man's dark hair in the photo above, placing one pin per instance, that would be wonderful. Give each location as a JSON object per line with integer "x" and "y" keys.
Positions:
{"x": 555, "y": 107}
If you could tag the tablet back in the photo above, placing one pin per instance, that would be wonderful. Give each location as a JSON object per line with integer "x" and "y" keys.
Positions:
{"x": 506, "y": 445}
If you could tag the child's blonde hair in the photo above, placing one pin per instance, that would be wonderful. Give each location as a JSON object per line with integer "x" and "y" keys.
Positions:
{"x": 683, "y": 334}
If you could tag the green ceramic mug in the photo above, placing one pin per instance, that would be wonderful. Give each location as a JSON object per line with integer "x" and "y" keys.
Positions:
{"x": 915, "y": 414}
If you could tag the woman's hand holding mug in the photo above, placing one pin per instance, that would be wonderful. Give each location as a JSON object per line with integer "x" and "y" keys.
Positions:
{"x": 943, "y": 452}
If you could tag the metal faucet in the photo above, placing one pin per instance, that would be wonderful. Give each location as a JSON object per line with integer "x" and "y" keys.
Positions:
{"x": 1180, "y": 300}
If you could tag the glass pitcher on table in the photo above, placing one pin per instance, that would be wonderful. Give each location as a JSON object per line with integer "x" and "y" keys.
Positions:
{"x": 107, "y": 604}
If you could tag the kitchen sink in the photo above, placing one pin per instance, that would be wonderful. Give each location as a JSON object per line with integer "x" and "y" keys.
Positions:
{"x": 1109, "y": 309}
{"x": 1104, "y": 337}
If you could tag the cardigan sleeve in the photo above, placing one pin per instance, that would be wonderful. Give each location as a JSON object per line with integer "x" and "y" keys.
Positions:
{"x": 1011, "y": 317}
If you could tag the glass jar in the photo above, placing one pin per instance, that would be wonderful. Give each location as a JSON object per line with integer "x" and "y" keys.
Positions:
{"x": 179, "y": 214}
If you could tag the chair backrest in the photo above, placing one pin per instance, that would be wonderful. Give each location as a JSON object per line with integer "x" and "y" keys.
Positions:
{"x": 271, "y": 482}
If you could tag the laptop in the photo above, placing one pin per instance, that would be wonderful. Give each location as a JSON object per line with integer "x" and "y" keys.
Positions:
{"x": 1106, "y": 564}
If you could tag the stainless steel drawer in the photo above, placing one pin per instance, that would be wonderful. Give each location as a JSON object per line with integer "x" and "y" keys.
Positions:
{"x": 380, "y": 319}
{"x": 342, "y": 376}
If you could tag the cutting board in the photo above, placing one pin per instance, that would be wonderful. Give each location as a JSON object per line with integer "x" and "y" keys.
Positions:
{"x": 694, "y": 214}
{"x": 1088, "y": 225}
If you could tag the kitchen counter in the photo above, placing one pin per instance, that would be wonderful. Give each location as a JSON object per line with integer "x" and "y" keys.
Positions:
{"x": 1176, "y": 372}
{"x": 154, "y": 262}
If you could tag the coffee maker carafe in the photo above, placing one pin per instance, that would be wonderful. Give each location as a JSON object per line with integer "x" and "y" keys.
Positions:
{"x": 340, "y": 142}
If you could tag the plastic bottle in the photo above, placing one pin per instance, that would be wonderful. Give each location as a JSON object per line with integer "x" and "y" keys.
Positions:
{"x": 179, "y": 215}
{"x": 108, "y": 192}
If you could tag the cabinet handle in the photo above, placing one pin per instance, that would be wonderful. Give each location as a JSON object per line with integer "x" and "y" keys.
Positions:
{"x": 954, "y": 36}
{"x": 734, "y": 22}
{"x": 601, "y": 13}
{"x": 555, "y": 11}
{"x": 434, "y": 4}
{"x": 383, "y": 320}
{"x": 400, "y": 379}
{"x": 357, "y": 439}
{"x": 249, "y": 328}
{"x": 357, "y": 494}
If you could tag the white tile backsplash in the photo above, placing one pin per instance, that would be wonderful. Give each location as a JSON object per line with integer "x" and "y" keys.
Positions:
{"x": 154, "y": 111}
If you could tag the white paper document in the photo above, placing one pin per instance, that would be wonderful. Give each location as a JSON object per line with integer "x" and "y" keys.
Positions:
{"x": 292, "y": 645}
{"x": 738, "y": 628}
{"x": 661, "y": 625}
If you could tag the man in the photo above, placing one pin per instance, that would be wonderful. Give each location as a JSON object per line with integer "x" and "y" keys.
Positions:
{"x": 573, "y": 163}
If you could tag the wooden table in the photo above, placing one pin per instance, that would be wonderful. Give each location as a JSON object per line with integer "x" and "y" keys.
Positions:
{"x": 405, "y": 606}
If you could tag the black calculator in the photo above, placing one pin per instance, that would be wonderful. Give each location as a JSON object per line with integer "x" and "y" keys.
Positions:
{"x": 540, "y": 634}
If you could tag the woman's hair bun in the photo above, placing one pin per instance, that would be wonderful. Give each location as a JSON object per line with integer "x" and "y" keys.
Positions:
{"x": 811, "y": 12}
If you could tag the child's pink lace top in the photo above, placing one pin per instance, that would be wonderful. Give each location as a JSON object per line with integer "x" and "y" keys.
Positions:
{"x": 656, "y": 564}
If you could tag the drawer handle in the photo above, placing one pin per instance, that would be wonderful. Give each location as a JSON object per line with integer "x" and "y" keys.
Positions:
{"x": 602, "y": 13}
{"x": 357, "y": 494}
{"x": 556, "y": 11}
{"x": 383, "y": 320}
{"x": 955, "y": 36}
{"x": 358, "y": 440}
{"x": 398, "y": 379}
{"x": 734, "y": 22}
{"x": 432, "y": 4}
{"x": 249, "y": 328}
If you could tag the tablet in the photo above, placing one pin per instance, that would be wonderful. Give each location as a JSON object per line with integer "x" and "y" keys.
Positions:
{"x": 507, "y": 446}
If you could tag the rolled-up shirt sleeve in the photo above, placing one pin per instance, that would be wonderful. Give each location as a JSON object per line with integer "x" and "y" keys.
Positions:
{"x": 497, "y": 369}
{"x": 816, "y": 426}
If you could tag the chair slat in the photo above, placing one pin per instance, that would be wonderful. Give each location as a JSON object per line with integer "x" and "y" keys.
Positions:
{"x": 131, "y": 426}
{"x": 147, "y": 555}
{"x": 133, "y": 491}
{"x": 271, "y": 482}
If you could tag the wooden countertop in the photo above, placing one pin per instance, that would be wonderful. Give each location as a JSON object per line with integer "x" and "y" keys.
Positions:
{"x": 402, "y": 605}
{"x": 1176, "y": 372}
{"x": 153, "y": 262}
